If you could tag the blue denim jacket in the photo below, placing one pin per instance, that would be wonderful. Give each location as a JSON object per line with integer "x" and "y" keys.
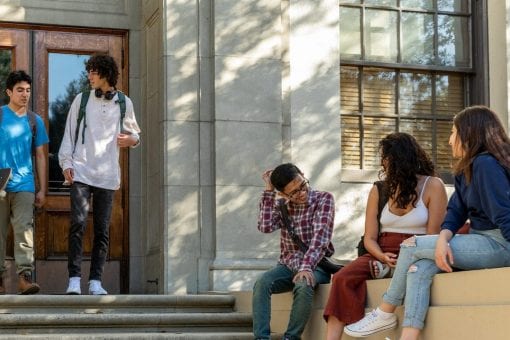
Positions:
{"x": 485, "y": 201}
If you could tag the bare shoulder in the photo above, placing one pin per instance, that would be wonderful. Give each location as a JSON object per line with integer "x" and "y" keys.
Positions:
{"x": 435, "y": 182}
{"x": 435, "y": 186}
{"x": 374, "y": 191}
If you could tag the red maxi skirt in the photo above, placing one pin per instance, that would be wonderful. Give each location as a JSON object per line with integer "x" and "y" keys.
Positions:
{"x": 348, "y": 293}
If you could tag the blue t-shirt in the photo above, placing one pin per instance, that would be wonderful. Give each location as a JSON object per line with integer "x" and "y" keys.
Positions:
{"x": 16, "y": 148}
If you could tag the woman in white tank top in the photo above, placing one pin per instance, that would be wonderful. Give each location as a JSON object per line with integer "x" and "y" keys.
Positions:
{"x": 412, "y": 222}
{"x": 416, "y": 205}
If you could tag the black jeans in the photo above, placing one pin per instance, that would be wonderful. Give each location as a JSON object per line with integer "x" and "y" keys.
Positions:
{"x": 102, "y": 202}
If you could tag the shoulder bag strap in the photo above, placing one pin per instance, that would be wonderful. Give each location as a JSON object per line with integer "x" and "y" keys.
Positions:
{"x": 122, "y": 104}
{"x": 290, "y": 229}
{"x": 33, "y": 127}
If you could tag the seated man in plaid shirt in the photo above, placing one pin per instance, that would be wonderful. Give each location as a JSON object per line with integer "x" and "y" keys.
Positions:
{"x": 312, "y": 215}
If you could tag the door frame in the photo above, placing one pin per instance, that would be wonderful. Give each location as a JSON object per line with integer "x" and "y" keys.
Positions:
{"x": 39, "y": 98}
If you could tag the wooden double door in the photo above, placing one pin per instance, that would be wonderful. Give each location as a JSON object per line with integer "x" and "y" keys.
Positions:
{"x": 55, "y": 60}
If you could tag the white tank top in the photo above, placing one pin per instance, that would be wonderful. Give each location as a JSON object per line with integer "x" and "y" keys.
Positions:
{"x": 413, "y": 222}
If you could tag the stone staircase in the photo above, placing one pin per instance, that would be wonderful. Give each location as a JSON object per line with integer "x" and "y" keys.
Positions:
{"x": 464, "y": 306}
{"x": 122, "y": 317}
{"x": 470, "y": 305}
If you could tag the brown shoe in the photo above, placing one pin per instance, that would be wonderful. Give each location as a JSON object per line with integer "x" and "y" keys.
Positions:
{"x": 25, "y": 284}
{"x": 2, "y": 288}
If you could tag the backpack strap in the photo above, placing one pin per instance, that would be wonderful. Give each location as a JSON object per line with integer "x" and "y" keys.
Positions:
{"x": 122, "y": 104}
{"x": 33, "y": 127}
{"x": 81, "y": 116}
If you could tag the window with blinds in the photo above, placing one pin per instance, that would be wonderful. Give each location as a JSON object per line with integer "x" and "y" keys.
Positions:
{"x": 405, "y": 66}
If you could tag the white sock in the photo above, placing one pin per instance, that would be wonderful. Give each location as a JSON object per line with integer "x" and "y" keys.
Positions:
{"x": 384, "y": 315}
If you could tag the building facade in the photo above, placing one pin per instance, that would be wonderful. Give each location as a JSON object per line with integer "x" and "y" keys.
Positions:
{"x": 225, "y": 89}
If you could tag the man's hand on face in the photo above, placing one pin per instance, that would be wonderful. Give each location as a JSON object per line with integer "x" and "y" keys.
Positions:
{"x": 304, "y": 275}
{"x": 266, "y": 177}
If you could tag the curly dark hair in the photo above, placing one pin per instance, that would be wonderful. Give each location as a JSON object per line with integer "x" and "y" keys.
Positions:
{"x": 480, "y": 130}
{"x": 403, "y": 159}
{"x": 105, "y": 66}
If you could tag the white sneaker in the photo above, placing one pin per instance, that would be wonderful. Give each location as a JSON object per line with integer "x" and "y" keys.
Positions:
{"x": 74, "y": 286}
{"x": 372, "y": 323}
{"x": 95, "y": 288}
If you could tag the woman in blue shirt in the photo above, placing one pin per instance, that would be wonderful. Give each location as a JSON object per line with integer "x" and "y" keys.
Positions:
{"x": 482, "y": 195}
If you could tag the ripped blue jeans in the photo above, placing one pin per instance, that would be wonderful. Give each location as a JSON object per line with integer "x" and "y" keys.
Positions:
{"x": 416, "y": 268}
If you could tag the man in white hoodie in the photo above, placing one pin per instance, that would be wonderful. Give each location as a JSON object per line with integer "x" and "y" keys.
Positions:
{"x": 99, "y": 123}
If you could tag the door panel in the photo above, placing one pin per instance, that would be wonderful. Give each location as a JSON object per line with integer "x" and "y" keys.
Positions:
{"x": 59, "y": 67}
{"x": 17, "y": 42}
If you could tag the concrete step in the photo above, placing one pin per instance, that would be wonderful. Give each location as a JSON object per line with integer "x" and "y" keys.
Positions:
{"x": 461, "y": 288}
{"x": 207, "y": 316}
{"x": 175, "y": 322}
{"x": 117, "y": 304}
{"x": 133, "y": 336}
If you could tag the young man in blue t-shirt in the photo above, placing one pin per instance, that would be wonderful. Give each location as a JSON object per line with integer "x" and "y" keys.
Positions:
{"x": 16, "y": 207}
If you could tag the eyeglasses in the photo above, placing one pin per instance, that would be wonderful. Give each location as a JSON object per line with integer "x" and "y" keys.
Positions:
{"x": 302, "y": 187}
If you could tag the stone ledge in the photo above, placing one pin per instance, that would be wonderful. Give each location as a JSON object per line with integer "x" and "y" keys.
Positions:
{"x": 462, "y": 307}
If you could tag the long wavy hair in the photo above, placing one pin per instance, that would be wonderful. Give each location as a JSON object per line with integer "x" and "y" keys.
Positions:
{"x": 403, "y": 159}
{"x": 479, "y": 130}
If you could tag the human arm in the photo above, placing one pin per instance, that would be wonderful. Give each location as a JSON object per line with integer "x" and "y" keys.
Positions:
{"x": 41, "y": 138}
{"x": 269, "y": 216}
{"x": 456, "y": 211}
{"x": 491, "y": 183}
{"x": 443, "y": 253}
{"x": 40, "y": 161}
{"x": 65, "y": 153}
{"x": 370, "y": 239}
{"x": 436, "y": 200}
{"x": 129, "y": 135}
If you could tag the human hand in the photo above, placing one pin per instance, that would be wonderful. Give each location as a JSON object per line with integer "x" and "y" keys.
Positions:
{"x": 304, "y": 275}
{"x": 40, "y": 199}
{"x": 390, "y": 259}
{"x": 126, "y": 140}
{"x": 266, "y": 177}
{"x": 443, "y": 255}
{"x": 68, "y": 176}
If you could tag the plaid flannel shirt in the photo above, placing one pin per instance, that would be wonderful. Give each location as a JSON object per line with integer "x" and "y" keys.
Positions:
{"x": 313, "y": 223}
